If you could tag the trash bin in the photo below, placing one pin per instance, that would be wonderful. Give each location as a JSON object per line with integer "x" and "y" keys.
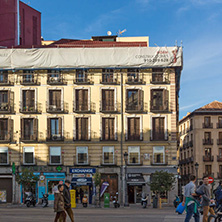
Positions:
{"x": 155, "y": 201}
{"x": 106, "y": 200}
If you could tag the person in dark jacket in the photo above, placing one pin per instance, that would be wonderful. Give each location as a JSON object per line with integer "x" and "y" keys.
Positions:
{"x": 59, "y": 205}
{"x": 67, "y": 200}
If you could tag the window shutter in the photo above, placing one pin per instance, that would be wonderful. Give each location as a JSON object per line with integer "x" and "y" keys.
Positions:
{"x": 103, "y": 128}
{"x": 78, "y": 128}
{"x": 83, "y": 126}
{"x": 81, "y": 99}
{"x": 85, "y": 99}
{"x": 137, "y": 128}
{"x": 162, "y": 128}
{"x": 103, "y": 99}
{"x": 111, "y": 125}
{"x": 154, "y": 129}
{"x": 111, "y": 100}
{"x": 60, "y": 126}
{"x": 48, "y": 128}
{"x": 86, "y": 123}
{"x": 58, "y": 99}
{"x": 22, "y": 128}
{"x": 165, "y": 99}
{"x": 107, "y": 129}
{"x": 10, "y": 129}
{"x": 140, "y": 99}
{"x": 35, "y": 129}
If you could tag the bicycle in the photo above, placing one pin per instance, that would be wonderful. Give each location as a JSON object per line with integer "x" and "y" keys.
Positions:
{"x": 218, "y": 215}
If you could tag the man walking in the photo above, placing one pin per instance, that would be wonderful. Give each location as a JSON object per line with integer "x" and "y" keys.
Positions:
{"x": 189, "y": 200}
{"x": 67, "y": 200}
{"x": 205, "y": 191}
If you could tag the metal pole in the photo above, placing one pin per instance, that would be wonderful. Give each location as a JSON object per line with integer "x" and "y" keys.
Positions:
{"x": 126, "y": 204}
{"x": 196, "y": 176}
{"x": 121, "y": 143}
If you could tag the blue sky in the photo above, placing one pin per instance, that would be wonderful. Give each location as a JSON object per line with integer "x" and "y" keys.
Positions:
{"x": 198, "y": 23}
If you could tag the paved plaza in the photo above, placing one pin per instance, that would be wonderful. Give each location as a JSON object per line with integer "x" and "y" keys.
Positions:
{"x": 133, "y": 213}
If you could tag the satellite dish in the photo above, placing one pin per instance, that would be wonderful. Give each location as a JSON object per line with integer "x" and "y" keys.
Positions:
{"x": 109, "y": 33}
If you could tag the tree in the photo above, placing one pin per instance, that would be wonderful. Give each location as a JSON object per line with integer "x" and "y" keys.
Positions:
{"x": 161, "y": 181}
{"x": 27, "y": 179}
{"x": 97, "y": 180}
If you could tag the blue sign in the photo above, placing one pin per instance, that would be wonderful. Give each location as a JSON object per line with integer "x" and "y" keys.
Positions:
{"x": 82, "y": 170}
{"x": 79, "y": 181}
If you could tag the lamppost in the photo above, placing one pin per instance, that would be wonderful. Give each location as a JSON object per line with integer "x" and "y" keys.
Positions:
{"x": 126, "y": 204}
{"x": 196, "y": 167}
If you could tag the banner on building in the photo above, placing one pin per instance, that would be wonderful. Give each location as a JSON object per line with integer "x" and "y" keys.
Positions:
{"x": 103, "y": 188}
{"x": 113, "y": 57}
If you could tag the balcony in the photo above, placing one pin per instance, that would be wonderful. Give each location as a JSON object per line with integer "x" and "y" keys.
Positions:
{"x": 163, "y": 163}
{"x": 5, "y": 80}
{"x": 208, "y": 158}
{"x": 219, "y": 158}
{"x": 160, "y": 78}
{"x": 191, "y": 144}
{"x": 109, "y": 79}
{"x": 5, "y": 136}
{"x": 5, "y": 108}
{"x": 55, "y": 137}
{"x": 29, "y": 79}
{"x": 208, "y": 174}
{"x": 83, "y": 79}
{"x": 107, "y": 162}
{"x": 109, "y": 108}
{"x": 219, "y": 141}
{"x": 56, "y": 79}
{"x": 162, "y": 107}
{"x": 207, "y": 141}
{"x": 135, "y": 79}
{"x": 219, "y": 125}
{"x": 208, "y": 126}
{"x": 30, "y": 109}
{"x": 30, "y": 137}
{"x": 131, "y": 108}
{"x": 59, "y": 108}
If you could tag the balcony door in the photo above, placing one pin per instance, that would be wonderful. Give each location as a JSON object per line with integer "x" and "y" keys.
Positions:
{"x": 158, "y": 128}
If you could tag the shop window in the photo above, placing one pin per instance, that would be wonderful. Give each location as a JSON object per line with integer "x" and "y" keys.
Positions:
{"x": 55, "y": 155}
{"x": 108, "y": 154}
{"x": 3, "y": 155}
{"x": 82, "y": 155}
{"x": 28, "y": 155}
{"x": 134, "y": 154}
{"x": 159, "y": 155}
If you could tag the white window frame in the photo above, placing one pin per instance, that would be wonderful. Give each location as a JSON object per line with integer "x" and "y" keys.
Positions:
{"x": 141, "y": 125}
{"x": 130, "y": 148}
{"x": 163, "y": 152}
{"x": 115, "y": 95}
{"x": 29, "y": 147}
{"x": 89, "y": 97}
{"x": 113, "y": 150}
{"x": 165, "y": 125}
{"x": 77, "y": 152}
{"x": 50, "y": 148}
{"x": 5, "y": 150}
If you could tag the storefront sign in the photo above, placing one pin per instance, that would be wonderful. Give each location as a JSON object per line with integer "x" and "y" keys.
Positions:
{"x": 43, "y": 168}
{"x": 82, "y": 170}
{"x": 84, "y": 181}
{"x": 135, "y": 179}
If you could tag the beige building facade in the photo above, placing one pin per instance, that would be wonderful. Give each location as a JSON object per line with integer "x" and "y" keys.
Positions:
{"x": 201, "y": 142}
{"x": 70, "y": 122}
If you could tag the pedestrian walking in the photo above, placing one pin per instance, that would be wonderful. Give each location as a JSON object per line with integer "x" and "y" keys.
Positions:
{"x": 190, "y": 202}
{"x": 59, "y": 205}
{"x": 67, "y": 199}
{"x": 204, "y": 189}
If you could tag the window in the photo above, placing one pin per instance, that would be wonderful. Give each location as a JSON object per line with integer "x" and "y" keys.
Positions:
{"x": 81, "y": 100}
{"x": 4, "y": 133}
{"x": 107, "y": 76}
{"x": 82, "y": 129}
{"x": 159, "y": 155}
{"x": 3, "y": 155}
{"x": 108, "y": 155}
{"x": 133, "y": 76}
{"x": 4, "y": 100}
{"x": 28, "y": 100}
{"x": 108, "y": 100}
{"x": 134, "y": 128}
{"x": 207, "y": 138}
{"x": 29, "y": 129}
{"x": 219, "y": 138}
{"x": 208, "y": 170}
{"x": 207, "y": 152}
{"x": 54, "y": 128}
{"x": 55, "y": 155}
{"x": 219, "y": 124}
{"x": 28, "y": 76}
{"x": 220, "y": 152}
{"x": 134, "y": 100}
{"x": 159, "y": 100}
{"x": 55, "y": 103}
{"x": 220, "y": 170}
{"x": 157, "y": 75}
{"x": 207, "y": 121}
{"x": 54, "y": 76}
{"x": 134, "y": 154}
{"x": 3, "y": 77}
{"x": 82, "y": 155}
{"x": 28, "y": 155}
{"x": 108, "y": 129}
{"x": 81, "y": 76}
{"x": 158, "y": 131}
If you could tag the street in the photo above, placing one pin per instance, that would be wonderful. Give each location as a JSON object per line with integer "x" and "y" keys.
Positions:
{"x": 132, "y": 213}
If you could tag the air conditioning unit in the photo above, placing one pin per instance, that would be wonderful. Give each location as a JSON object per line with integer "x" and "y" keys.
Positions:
{"x": 56, "y": 136}
{"x": 52, "y": 107}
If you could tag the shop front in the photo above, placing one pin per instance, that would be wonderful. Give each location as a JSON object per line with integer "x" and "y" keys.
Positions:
{"x": 5, "y": 188}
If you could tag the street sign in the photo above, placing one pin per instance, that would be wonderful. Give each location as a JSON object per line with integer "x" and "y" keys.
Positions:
{"x": 210, "y": 180}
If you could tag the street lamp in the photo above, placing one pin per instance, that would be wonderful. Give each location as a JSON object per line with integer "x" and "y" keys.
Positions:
{"x": 196, "y": 167}
{"x": 126, "y": 204}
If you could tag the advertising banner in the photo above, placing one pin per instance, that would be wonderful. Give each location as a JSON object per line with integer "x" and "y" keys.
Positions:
{"x": 103, "y": 188}
{"x": 3, "y": 196}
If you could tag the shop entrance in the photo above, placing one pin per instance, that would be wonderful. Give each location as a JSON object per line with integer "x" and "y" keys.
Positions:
{"x": 134, "y": 194}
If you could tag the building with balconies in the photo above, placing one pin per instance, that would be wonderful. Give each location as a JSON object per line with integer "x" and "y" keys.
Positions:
{"x": 82, "y": 104}
{"x": 201, "y": 139}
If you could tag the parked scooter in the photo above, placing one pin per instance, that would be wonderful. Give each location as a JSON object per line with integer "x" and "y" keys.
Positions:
{"x": 144, "y": 200}
{"x": 30, "y": 200}
{"x": 45, "y": 201}
{"x": 176, "y": 201}
{"x": 115, "y": 201}
{"x": 85, "y": 201}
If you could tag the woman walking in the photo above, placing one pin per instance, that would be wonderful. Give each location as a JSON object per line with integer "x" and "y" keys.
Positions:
{"x": 59, "y": 205}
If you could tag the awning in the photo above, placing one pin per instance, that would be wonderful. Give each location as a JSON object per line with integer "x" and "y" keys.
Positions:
{"x": 135, "y": 179}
